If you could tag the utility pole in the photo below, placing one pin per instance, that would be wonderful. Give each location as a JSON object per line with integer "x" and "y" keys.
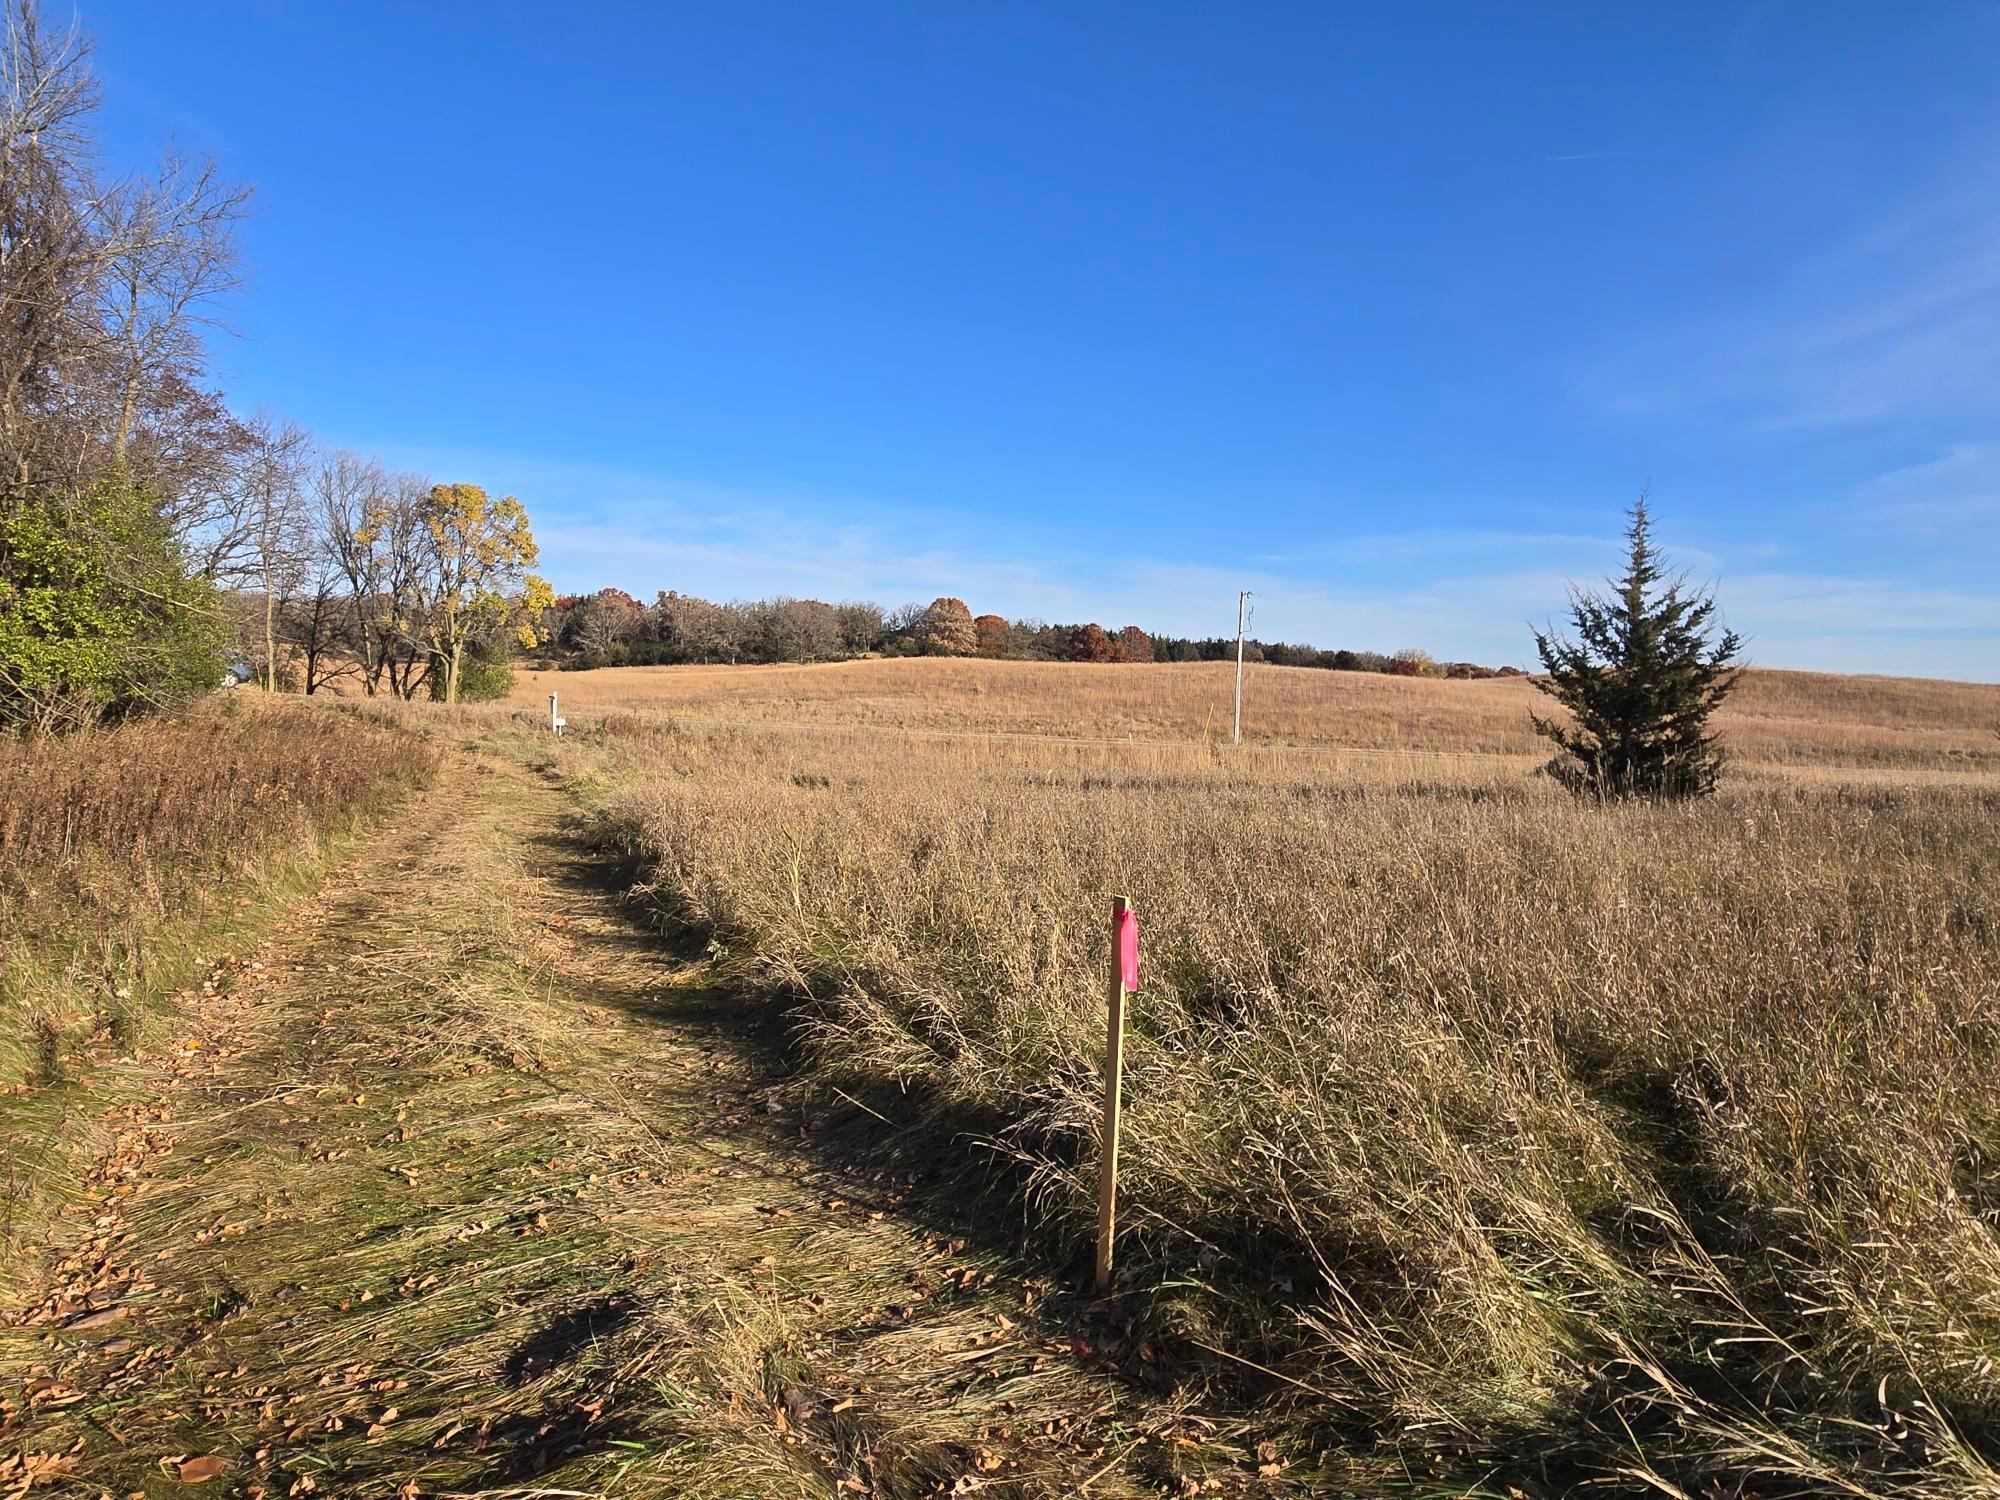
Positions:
{"x": 1236, "y": 734}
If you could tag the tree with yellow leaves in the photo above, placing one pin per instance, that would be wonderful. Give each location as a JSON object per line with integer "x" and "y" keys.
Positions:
{"x": 476, "y": 581}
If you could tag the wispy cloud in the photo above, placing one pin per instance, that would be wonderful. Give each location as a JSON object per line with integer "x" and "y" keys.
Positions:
{"x": 1955, "y": 495}
{"x": 1899, "y": 318}
{"x": 1861, "y": 608}
{"x": 1489, "y": 549}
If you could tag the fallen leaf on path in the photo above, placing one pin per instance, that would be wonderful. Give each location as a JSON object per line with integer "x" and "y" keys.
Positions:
{"x": 200, "y": 1470}
{"x": 97, "y": 1319}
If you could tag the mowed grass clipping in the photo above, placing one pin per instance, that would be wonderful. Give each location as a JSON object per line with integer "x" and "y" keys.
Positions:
{"x": 130, "y": 859}
{"x": 1508, "y": 1135}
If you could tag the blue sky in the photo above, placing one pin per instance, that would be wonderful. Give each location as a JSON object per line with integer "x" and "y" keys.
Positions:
{"x": 1103, "y": 311}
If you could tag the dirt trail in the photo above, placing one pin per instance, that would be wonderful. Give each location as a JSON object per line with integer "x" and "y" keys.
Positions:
{"x": 462, "y": 1184}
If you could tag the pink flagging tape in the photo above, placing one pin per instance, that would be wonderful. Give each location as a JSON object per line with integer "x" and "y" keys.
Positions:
{"x": 1128, "y": 948}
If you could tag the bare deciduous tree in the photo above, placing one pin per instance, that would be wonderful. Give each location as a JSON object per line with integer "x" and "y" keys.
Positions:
{"x": 170, "y": 252}
{"x": 372, "y": 524}
{"x": 600, "y": 623}
{"x": 106, "y": 289}
{"x": 698, "y": 630}
{"x": 49, "y": 253}
{"x": 861, "y": 625}
{"x": 317, "y": 621}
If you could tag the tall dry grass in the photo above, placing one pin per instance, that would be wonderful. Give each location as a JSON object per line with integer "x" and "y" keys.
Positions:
{"x": 108, "y": 839}
{"x": 1776, "y": 718}
{"x": 1527, "y": 1141}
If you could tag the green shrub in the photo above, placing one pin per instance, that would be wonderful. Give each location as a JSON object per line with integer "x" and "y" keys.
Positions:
{"x": 485, "y": 676}
{"x": 99, "y": 616}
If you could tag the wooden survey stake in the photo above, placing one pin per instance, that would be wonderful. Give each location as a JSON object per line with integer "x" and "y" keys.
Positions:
{"x": 1124, "y": 981}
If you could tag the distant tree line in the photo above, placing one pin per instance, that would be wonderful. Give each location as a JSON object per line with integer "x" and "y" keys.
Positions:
{"x": 611, "y": 628}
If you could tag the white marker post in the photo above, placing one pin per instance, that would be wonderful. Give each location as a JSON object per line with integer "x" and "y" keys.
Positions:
{"x": 1124, "y": 981}
{"x": 556, "y": 720}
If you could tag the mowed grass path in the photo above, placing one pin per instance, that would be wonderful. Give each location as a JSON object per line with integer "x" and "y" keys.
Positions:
{"x": 462, "y": 1184}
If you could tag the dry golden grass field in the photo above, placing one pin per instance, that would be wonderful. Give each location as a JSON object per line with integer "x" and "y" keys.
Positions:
{"x": 707, "y": 1104}
{"x": 1634, "y": 1145}
{"x": 1775, "y": 718}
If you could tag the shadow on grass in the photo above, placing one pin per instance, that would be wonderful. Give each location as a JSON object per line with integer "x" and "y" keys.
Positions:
{"x": 566, "y": 1336}
{"x": 526, "y": 1446}
{"x": 954, "y": 1175}
{"x": 966, "y": 1175}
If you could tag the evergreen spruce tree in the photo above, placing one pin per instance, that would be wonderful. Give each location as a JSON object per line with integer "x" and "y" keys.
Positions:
{"x": 1640, "y": 681}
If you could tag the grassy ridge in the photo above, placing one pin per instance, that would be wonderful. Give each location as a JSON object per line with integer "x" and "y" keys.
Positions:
{"x": 1777, "y": 718}
{"x": 1521, "y": 1137}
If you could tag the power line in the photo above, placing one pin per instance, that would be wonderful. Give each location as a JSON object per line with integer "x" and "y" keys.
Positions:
{"x": 1236, "y": 734}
